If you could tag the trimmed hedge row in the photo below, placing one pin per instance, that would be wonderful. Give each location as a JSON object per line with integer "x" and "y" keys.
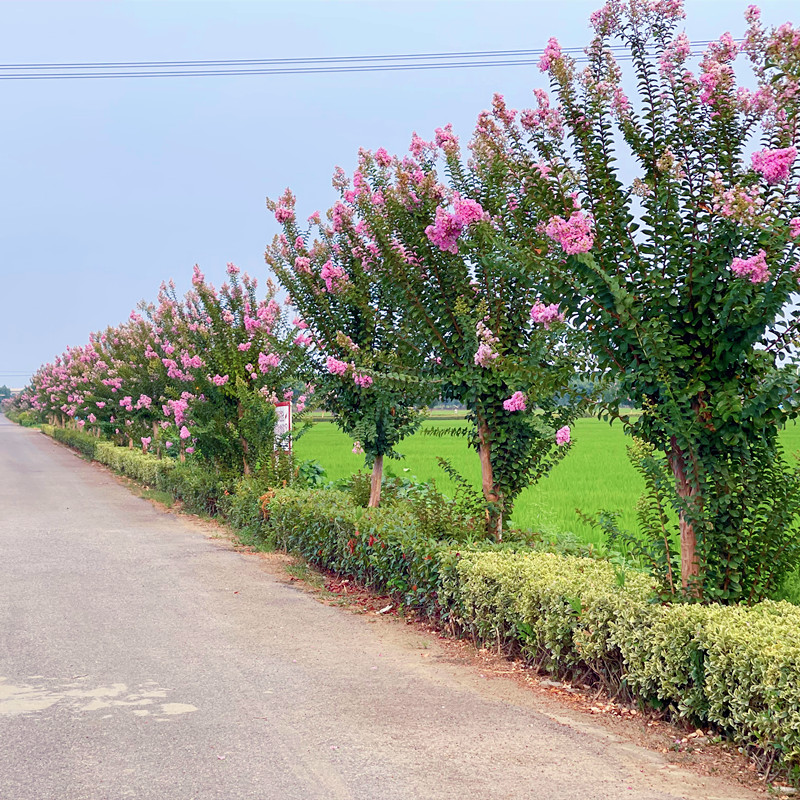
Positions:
{"x": 735, "y": 667}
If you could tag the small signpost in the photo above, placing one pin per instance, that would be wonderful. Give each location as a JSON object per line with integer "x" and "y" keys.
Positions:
{"x": 283, "y": 426}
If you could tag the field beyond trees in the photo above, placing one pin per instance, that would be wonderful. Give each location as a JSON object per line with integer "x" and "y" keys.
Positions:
{"x": 596, "y": 476}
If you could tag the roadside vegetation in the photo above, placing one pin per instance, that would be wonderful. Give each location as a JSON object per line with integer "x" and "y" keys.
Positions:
{"x": 527, "y": 281}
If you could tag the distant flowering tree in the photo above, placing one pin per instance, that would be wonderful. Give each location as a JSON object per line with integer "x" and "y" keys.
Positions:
{"x": 349, "y": 322}
{"x": 465, "y": 307}
{"x": 682, "y": 281}
{"x": 237, "y": 355}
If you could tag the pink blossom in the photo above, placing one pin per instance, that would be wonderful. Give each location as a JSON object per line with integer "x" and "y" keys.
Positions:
{"x": 284, "y": 210}
{"x": 220, "y": 380}
{"x": 190, "y": 450}
{"x": 755, "y": 267}
{"x": 288, "y": 394}
{"x": 446, "y": 139}
{"x": 774, "y": 165}
{"x": 515, "y": 403}
{"x": 168, "y": 444}
{"x": 265, "y": 361}
{"x": 575, "y": 234}
{"x": 302, "y": 264}
{"x": 794, "y": 227}
{"x": 184, "y": 433}
{"x": 302, "y": 341}
{"x": 334, "y": 276}
{"x": 243, "y": 347}
{"x": 484, "y": 355}
{"x": 358, "y": 449}
{"x": 100, "y": 404}
{"x": 551, "y": 53}
{"x": 362, "y": 380}
{"x": 445, "y": 231}
{"x": 563, "y": 435}
{"x": 382, "y": 157}
{"x": 92, "y": 418}
{"x": 545, "y": 315}
{"x": 675, "y": 54}
{"x": 336, "y": 367}
{"x": 232, "y": 269}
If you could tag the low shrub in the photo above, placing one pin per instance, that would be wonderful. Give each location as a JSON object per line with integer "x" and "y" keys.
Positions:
{"x": 135, "y": 464}
{"x": 28, "y": 419}
{"x": 199, "y": 489}
{"x": 735, "y": 667}
{"x": 83, "y": 442}
{"x": 382, "y": 548}
{"x": 241, "y": 505}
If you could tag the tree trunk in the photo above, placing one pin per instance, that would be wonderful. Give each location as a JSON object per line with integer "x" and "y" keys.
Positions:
{"x": 494, "y": 519}
{"x": 375, "y": 484}
{"x": 690, "y": 565}
{"x": 243, "y": 442}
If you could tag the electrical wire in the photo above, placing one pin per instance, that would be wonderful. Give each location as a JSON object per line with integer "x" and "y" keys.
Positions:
{"x": 290, "y": 66}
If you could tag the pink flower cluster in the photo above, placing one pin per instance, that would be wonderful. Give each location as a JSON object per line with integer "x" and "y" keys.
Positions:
{"x": 515, "y": 403}
{"x": 774, "y": 165}
{"x": 485, "y": 353}
{"x": 447, "y": 140}
{"x": 448, "y": 226}
{"x": 546, "y": 315}
{"x": 336, "y": 367}
{"x": 563, "y": 435}
{"x": 284, "y": 210}
{"x": 794, "y": 227}
{"x": 220, "y": 380}
{"x": 754, "y": 267}
{"x": 267, "y": 360}
{"x": 575, "y": 234}
{"x": 302, "y": 264}
{"x": 334, "y": 276}
{"x": 551, "y": 53}
{"x": 362, "y": 380}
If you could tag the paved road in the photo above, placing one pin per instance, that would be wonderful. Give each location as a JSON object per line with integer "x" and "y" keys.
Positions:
{"x": 140, "y": 658}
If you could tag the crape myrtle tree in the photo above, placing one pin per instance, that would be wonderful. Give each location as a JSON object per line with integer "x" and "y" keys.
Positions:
{"x": 239, "y": 356}
{"x": 363, "y": 369}
{"x": 487, "y": 339}
{"x": 682, "y": 281}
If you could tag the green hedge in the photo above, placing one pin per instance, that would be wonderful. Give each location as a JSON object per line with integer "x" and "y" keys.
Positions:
{"x": 380, "y": 547}
{"x": 84, "y": 443}
{"x": 735, "y": 667}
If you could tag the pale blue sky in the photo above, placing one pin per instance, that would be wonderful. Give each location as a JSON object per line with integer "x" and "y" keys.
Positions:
{"x": 111, "y": 186}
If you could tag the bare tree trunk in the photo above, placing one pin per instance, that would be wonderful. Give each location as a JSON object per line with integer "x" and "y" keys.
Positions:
{"x": 155, "y": 439}
{"x": 494, "y": 519}
{"x": 375, "y": 484}
{"x": 690, "y": 564}
{"x": 243, "y": 442}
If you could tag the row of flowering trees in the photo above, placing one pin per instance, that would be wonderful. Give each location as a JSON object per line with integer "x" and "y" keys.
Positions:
{"x": 495, "y": 279}
{"x": 502, "y": 276}
{"x": 200, "y": 373}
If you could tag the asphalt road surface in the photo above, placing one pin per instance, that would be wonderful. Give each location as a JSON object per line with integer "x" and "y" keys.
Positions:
{"x": 142, "y": 658}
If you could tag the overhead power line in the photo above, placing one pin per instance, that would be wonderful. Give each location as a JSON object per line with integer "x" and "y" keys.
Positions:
{"x": 290, "y": 66}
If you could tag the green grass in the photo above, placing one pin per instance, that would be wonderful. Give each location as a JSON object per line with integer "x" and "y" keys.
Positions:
{"x": 596, "y": 475}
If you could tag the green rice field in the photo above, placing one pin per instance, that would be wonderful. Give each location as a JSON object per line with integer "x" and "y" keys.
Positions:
{"x": 596, "y": 475}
